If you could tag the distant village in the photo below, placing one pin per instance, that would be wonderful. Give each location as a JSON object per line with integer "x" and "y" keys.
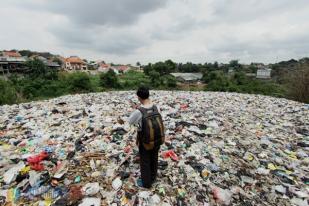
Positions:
{"x": 14, "y": 62}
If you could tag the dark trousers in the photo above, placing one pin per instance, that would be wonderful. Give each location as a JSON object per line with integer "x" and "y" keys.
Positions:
{"x": 148, "y": 165}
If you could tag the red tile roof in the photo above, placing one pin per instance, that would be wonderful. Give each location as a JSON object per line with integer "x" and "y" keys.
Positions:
{"x": 11, "y": 54}
{"x": 75, "y": 60}
{"x": 122, "y": 68}
{"x": 104, "y": 65}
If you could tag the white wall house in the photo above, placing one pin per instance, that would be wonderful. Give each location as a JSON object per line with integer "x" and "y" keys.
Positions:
{"x": 264, "y": 73}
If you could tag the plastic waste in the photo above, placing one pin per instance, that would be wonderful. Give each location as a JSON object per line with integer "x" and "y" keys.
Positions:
{"x": 34, "y": 178}
{"x": 90, "y": 201}
{"x": 91, "y": 188}
{"x": 10, "y": 175}
{"x": 254, "y": 148}
{"x": 280, "y": 189}
{"x": 170, "y": 154}
{"x": 117, "y": 183}
{"x": 155, "y": 200}
{"x": 222, "y": 196}
{"x": 13, "y": 195}
{"x": 92, "y": 165}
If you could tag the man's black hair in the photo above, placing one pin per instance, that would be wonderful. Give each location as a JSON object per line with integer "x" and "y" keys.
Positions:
{"x": 143, "y": 92}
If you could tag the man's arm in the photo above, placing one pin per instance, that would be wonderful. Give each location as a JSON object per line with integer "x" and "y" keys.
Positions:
{"x": 135, "y": 117}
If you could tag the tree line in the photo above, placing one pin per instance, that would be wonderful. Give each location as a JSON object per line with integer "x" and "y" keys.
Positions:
{"x": 40, "y": 82}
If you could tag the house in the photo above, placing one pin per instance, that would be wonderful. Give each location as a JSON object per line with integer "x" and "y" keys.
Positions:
{"x": 122, "y": 68}
{"x": 75, "y": 63}
{"x": 188, "y": 77}
{"x": 264, "y": 73}
{"x": 48, "y": 62}
{"x": 11, "y": 61}
{"x": 103, "y": 67}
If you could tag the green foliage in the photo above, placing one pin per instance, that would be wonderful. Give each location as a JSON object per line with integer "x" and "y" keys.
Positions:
{"x": 298, "y": 84}
{"x": 218, "y": 81}
{"x": 109, "y": 79}
{"x": 42, "y": 82}
{"x": 79, "y": 82}
{"x": 170, "y": 81}
{"x": 189, "y": 67}
{"x": 26, "y": 53}
{"x": 162, "y": 68}
{"x": 37, "y": 69}
{"x": 235, "y": 65}
{"x": 133, "y": 79}
{"x": 8, "y": 92}
{"x": 240, "y": 78}
{"x": 155, "y": 78}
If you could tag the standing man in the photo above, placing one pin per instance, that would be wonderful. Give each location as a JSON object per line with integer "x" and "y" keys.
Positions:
{"x": 150, "y": 136}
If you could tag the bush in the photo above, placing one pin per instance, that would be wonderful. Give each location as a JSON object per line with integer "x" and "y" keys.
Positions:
{"x": 155, "y": 78}
{"x": 109, "y": 79}
{"x": 8, "y": 93}
{"x": 298, "y": 84}
{"x": 79, "y": 82}
{"x": 37, "y": 69}
{"x": 170, "y": 81}
{"x": 217, "y": 81}
{"x": 133, "y": 79}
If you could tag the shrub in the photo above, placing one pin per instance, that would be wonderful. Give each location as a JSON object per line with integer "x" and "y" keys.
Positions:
{"x": 109, "y": 79}
{"x": 298, "y": 84}
{"x": 79, "y": 82}
{"x": 8, "y": 93}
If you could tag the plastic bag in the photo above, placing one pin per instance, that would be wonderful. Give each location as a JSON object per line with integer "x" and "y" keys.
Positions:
{"x": 117, "y": 183}
{"x": 91, "y": 188}
{"x": 170, "y": 154}
{"x": 90, "y": 201}
{"x": 222, "y": 196}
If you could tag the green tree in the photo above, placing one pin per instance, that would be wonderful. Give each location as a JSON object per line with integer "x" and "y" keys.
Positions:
{"x": 240, "y": 78}
{"x": 109, "y": 80}
{"x": 298, "y": 84}
{"x": 160, "y": 67}
{"x": 170, "y": 66}
{"x": 215, "y": 65}
{"x": 171, "y": 81}
{"x": 37, "y": 69}
{"x": 235, "y": 65}
{"x": 148, "y": 68}
{"x": 154, "y": 78}
{"x": 26, "y": 53}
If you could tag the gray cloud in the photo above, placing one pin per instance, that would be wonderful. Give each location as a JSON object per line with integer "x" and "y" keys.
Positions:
{"x": 149, "y": 30}
{"x": 102, "y": 39}
{"x": 99, "y": 12}
{"x": 94, "y": 23}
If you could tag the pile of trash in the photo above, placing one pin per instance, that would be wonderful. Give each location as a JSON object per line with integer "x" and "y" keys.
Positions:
{"x": 220, "y": 149}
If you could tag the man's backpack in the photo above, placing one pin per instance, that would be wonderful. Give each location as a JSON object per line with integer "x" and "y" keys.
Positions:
{"x": 151, "y": 134}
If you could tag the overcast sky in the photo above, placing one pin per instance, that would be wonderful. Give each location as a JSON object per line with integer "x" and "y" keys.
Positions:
{"x": 127, "y": 31}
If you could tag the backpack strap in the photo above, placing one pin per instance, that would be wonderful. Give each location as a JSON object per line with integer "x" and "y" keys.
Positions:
{"x": 145, "y": 111}
{"x": 155, "y": 109}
